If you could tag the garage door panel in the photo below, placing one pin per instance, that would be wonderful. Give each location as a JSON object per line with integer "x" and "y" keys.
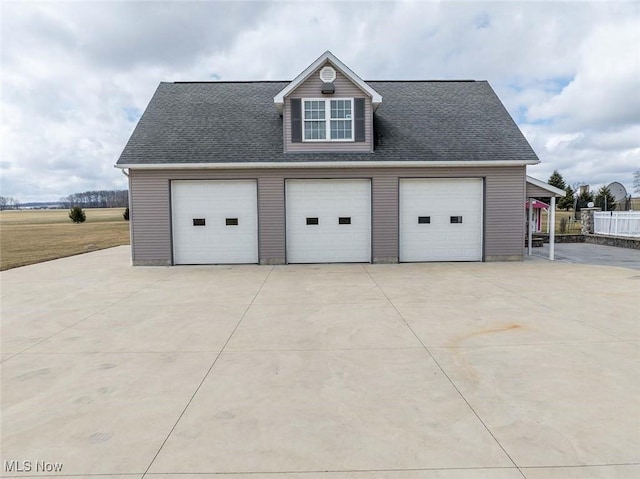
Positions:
{"x": 328, "y": 201}
{"x": 220, "y": 205}
{"x": 441, "y": 239}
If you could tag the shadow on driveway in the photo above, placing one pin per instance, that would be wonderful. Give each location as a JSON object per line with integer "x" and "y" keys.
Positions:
{"x": 585, "y": 253}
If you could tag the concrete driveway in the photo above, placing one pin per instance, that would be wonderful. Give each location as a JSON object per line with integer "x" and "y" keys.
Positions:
{"x": 469, "y": 370}
{"x": 586, "y": 253}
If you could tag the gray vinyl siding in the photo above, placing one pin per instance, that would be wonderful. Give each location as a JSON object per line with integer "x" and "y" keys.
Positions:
{"x": 271, "y": 225}
{"x": 384, "y": 212}
{"x": 504, "y": 225}
{"x": 344, "y": 88}
{"x": 150, "y": 217}
{"x": 534, "y": 191}
{"x": 504, "y": 208}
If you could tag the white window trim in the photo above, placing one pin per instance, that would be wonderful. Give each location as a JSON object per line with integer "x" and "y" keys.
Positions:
{"x": 327, "y": 120}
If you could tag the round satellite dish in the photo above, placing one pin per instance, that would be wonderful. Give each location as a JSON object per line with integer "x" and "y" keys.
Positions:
{"x": 618, "y": 191}
{"x": 327, "y": 74}
{"x": 590, "y": 204}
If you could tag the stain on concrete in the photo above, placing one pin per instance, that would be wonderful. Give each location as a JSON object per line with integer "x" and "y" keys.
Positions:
{"x": 108, "y": 366}
{"x": 461, "y": 361}
{"x": 189, "y": 434}
{"x": 99, "y": 437}
{"x": 168, "y": 358}
{"x": 225, "y": 415}
{"x": 34, "y": 374}
{"x": 496, "y": 330}
{"x": 507, "y": 327}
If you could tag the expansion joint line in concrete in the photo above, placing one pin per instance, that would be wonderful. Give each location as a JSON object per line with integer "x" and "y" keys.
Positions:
{"x": 86, "y": 317}
{"x": 576, "y": 319}
{"x": 204, "y": 378}
{"x": 433, "y": 358}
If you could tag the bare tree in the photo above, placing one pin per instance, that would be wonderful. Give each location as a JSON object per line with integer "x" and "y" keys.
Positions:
{"x": 8, "y": 203}
{"x": 98, "y": 199}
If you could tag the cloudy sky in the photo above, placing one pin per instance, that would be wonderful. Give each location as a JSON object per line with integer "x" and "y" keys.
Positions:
{"x": 76, "y": 76}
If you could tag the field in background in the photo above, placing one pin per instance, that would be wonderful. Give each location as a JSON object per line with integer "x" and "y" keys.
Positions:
{"x": 33, "y": 236}
{"x": 572, "y": 225}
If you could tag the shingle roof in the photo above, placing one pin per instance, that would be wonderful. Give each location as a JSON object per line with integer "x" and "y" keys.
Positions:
{"x": 233, "y": 122}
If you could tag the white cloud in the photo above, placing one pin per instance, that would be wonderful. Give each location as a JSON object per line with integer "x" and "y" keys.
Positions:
{"x": 590, "y": 130}
{"x": 605, "y": 90}
{"x": 75, "y": 76}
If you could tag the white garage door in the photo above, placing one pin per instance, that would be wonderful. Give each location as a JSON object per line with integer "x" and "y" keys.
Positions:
{"x": 214, "y": 222}
{"x": 441, "y": 219}
{"x": 328, "y": 221}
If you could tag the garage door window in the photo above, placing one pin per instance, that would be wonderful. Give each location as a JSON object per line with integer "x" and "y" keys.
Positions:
{"x": 198, "y": 222}
{"x": 455, "y": 220}
{"x": 231, "y": 221}
{"x": 344, "y": 220}
{"x": 312, "y": 221}
{"x": 424, "y": 220}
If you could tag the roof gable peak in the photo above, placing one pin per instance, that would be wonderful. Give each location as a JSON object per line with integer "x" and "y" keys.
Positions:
{"x": 327, "y": 56}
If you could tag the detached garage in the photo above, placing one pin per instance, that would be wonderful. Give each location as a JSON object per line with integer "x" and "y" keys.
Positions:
{"x": 319, "y": 170}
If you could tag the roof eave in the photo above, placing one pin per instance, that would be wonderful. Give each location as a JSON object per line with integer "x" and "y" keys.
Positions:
{"x": 546, "y": 186}
{"x": 376, "y": 98}
{"x": 328, "y": 164}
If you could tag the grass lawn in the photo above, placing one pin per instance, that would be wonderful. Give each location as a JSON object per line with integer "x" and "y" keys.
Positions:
{"x": 33, "y": 236}
{"x": 572, "y": 226}
{"x": 575, "y": 226}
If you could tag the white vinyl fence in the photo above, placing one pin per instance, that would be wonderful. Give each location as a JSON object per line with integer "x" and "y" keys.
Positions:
{"x": 617, "y": 223}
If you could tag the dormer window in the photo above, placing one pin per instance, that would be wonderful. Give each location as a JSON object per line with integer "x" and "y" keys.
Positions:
{"x": 328, "y": 120}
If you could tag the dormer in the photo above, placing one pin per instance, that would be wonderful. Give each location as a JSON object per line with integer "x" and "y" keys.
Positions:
{"x": 327, "y": 108}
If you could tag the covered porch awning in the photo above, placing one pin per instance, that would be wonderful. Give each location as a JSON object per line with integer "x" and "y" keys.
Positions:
{"x": 538, "y": 206}
{"x": 539, "y": 189}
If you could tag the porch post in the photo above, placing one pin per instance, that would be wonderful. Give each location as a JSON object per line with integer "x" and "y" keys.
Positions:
{"x": 552, "y": 229}
{"x": 530, "y": 232}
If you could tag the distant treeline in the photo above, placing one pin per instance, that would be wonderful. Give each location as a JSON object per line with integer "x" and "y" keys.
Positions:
{"x": 8, "y": 203}
{"x": 97, "y": 199}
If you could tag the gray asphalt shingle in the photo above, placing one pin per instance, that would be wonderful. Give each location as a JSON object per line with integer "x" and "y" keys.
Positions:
{"x": 229, "y": 122}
